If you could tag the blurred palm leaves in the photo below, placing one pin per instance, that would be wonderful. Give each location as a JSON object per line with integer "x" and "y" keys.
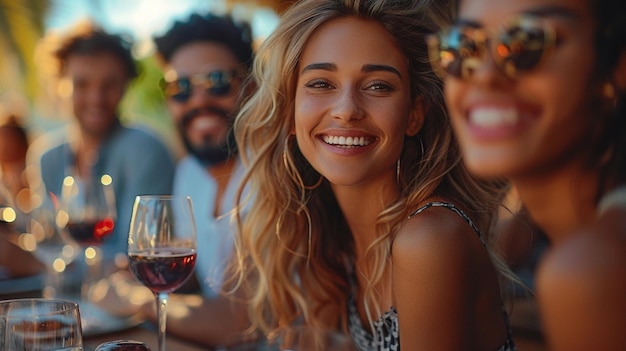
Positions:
{"x": 21, "y": 27}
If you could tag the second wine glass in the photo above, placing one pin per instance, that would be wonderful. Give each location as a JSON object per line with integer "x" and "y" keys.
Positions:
{"x": 162, "y": 247}
{"x": 87, "y": 213}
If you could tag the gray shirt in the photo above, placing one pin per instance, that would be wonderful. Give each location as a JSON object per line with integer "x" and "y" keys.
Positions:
{"x": 137, "y": 161}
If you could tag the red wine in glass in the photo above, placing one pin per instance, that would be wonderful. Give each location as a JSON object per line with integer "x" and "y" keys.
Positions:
{"x": 91, "y": 232}
{"x": 162, "y": 247}
{"x": 162, "y": 269}
{"x": 87, "y": 212}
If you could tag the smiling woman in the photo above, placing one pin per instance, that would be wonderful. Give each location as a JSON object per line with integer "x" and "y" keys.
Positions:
{"x": 357, "y": 181}
{"x": 338, "y": 79}
{"x": 545, "y": 109}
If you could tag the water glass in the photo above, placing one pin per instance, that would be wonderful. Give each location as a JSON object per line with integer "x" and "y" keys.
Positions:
{"x": 40, "y": 325}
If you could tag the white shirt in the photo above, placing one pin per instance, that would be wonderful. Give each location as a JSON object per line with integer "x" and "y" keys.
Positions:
{"x": 214, "y": 236}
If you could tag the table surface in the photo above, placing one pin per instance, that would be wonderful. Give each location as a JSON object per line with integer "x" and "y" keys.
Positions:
{"x": 524, "y": 322}
{"x": 30, "y": 287}
{"x": 144, "y": 333}
{"x": 524, "y": 341}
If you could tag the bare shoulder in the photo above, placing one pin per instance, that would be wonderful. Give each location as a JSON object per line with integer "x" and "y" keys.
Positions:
{"x": 438, "y": 236}
{"x": 443, "y": 281}
{"x": 591, "y": 257}
{"x": 581, "y": 285}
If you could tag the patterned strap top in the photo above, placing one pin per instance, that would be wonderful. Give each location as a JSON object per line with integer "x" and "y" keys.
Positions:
{"x": 386, "y": 327}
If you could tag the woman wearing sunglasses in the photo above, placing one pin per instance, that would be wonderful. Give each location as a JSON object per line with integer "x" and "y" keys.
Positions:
{"x": 535, "y": 89}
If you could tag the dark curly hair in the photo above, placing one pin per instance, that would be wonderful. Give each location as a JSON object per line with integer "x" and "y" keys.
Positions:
{"x": 93, "y": 40}
{"x": 213, "y": 28}
{"x": 610, "y": 41}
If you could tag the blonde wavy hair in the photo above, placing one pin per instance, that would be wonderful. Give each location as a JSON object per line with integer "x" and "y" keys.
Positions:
{"x": 295, "y": 248}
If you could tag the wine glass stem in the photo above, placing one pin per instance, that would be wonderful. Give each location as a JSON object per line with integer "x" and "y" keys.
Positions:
{"x": 93, "y": 271}
{"x": 161, "y": 318}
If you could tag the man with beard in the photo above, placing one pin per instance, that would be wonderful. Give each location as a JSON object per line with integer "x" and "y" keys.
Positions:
{"x": 98, "y": 67}
{"x": 206, "y": 60}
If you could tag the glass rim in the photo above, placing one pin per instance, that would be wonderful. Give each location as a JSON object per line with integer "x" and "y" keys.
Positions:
{"x": 162, "y": 197}
{"x": 39, "y": 299}
{"x": 29, "y": 302}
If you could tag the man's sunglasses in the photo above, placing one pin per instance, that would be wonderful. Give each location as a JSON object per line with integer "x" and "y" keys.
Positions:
{"x": 215, "y": 83}
{"x": 518, "y": 46}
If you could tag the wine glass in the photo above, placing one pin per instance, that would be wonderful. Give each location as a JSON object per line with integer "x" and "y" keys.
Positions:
{"x": 87, "y": 212}
{"x": 162, "y": 247}
{"x": 40, "y": 325}
{"x": 51, "y": 246}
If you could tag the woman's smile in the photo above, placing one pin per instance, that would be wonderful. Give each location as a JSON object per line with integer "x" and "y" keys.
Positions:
{"x": 346, "y": 141}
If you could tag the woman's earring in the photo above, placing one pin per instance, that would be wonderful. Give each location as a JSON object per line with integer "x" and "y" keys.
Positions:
{"x": 609, "y": 94}
{"x": 316, "y": 185}
{"x": 285, "y": 157}
{"x": 398, "y": 172}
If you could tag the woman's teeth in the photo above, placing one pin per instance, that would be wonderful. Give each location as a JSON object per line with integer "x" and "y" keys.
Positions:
{"x": 493, "y": 117}
{"x": 346, "y": 141}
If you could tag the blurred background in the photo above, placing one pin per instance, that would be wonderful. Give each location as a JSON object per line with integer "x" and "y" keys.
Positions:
{"x": 27, "y": 84}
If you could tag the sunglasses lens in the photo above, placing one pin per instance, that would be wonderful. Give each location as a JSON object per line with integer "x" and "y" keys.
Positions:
{"x": 179, "y": 90}
{"x": 181, "y": 97}
{"x": 521, "y": 45}
{"x": 457, "y": 51}
{"x": 219, "y": 90}
{"x": 218, "y": 83}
